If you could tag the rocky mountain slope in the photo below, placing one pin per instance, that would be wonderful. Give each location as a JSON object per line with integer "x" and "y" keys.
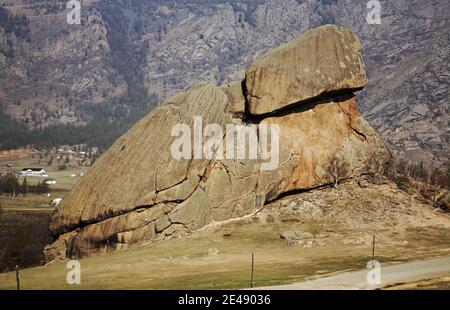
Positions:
{"x": 314, "y": 138}
{"x": 55, "y": 69}
{"x": 171, "y": 45}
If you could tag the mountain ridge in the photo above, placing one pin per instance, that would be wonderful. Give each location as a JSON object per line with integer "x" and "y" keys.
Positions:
{"x": 179, "y": 44}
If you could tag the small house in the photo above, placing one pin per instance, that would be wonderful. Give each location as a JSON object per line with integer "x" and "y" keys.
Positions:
{"x": 32, "y": 172}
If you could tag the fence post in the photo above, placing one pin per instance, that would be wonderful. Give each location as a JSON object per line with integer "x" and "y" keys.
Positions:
{"x": 17, "y": 277}
{"x": 253, "y": 267}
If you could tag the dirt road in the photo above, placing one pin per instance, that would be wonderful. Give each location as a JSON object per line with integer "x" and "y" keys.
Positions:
{"x": 389, "y": 275}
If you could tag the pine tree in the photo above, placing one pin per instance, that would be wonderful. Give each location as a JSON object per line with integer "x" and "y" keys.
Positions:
{"x": 24, "y": 188}
{"x": 42, "y": 187}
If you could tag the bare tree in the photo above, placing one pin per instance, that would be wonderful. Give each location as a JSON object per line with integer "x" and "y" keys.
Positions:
{"x": 337, "y": 170}
{"x": 436, "y": 181}
{"x": 390, "y": 169}
{"x": 375, "y": 165}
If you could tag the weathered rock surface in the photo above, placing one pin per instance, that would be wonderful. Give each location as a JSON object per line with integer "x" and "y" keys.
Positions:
{"x": 138, "y": 191}
{"x": 236, "y": 99}
{"x": 296, "y": 235}
{"x": 322, "y": 130}
{"x": 323, "y": 60}
{"x": 443, "y": 201}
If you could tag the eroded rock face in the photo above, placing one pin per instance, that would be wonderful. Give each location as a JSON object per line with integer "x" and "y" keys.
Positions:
{"x": 139, "y": 170}
{"x": 322, "y": 130}
{"x": 138, "y": 191}
{"x": 323, "y": 60}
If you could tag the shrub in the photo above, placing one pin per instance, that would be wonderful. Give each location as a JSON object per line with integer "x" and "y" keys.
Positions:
{"x": 41, "y": 188}
{"x": 62, "y": 167}
{"x": 9, "y": 184}
{"x": 376, "y": 167}
{"x": 337, "y": 170}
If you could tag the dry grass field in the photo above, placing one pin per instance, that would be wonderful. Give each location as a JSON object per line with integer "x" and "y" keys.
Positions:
{"x": 187, "y": 263}
{"x": 219, "y": 257}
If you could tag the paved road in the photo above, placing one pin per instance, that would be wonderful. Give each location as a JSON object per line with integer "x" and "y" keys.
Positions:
{"x": 394, "y": 274}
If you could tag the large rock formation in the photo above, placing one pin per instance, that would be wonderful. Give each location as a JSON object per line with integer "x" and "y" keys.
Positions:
{"x": 324, "y": 60}
{"x": 139, "y": 191}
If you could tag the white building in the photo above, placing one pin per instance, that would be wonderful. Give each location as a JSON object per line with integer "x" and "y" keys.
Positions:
{"x": 32, "y": 172}
{"x": 56, "y": 202}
